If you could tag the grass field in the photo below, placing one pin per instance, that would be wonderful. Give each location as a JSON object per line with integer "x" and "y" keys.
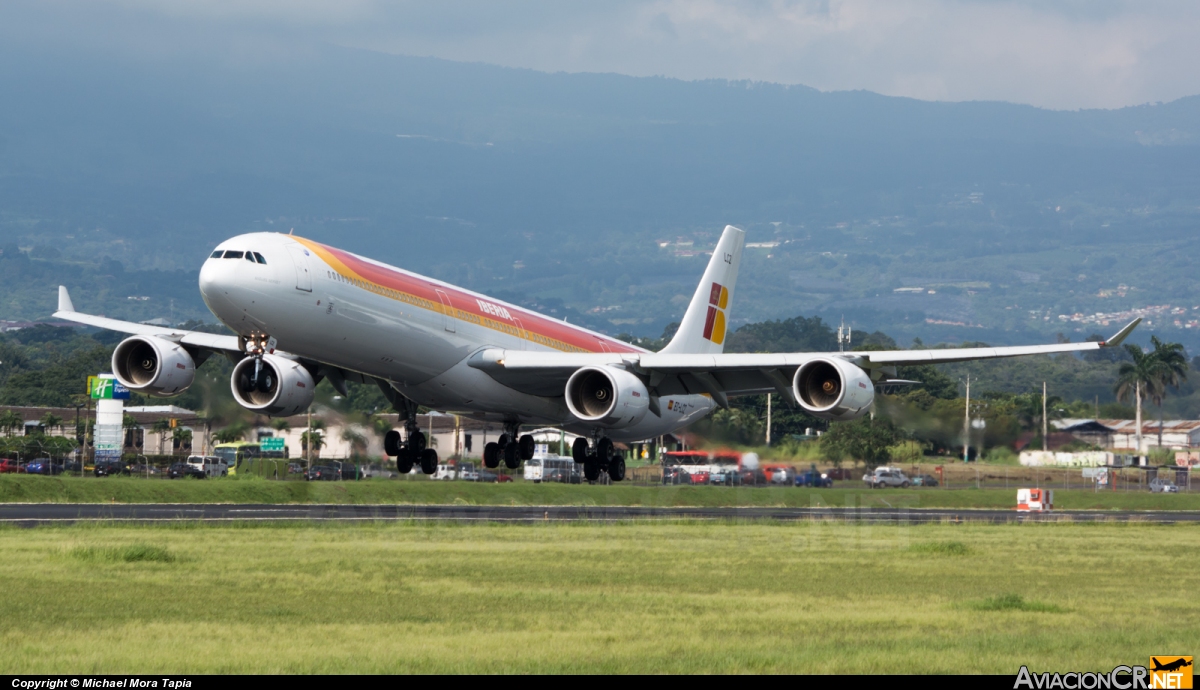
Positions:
{"x": 634, "y": 597}
{"x": 28, "y": 489}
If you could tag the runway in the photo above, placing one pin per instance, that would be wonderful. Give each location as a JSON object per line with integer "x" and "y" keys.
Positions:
{"x": 34, "y": 514}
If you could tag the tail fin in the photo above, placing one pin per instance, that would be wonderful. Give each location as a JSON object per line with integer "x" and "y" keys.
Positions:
{"x": 702, "y": 331}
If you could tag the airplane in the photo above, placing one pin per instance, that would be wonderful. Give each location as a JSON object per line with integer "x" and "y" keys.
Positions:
{"x": 303, "y": 311}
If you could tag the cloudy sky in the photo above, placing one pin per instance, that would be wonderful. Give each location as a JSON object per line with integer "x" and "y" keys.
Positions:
{"x": 1062, "y": 54}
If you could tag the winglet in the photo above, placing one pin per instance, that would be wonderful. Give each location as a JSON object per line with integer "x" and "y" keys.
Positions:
{"x": 1122, "y": 334}
{"x": 64, "y": 299}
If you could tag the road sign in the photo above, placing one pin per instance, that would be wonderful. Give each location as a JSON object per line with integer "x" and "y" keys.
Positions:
{"x": 101, "y": 388}
{"x": 271, "y": 443}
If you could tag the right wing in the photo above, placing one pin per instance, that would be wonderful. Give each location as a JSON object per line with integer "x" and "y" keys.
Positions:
{"x": 207, "y": 341}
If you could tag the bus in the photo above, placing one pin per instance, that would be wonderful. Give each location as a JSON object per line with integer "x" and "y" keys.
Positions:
{"x": 235, "y": 452}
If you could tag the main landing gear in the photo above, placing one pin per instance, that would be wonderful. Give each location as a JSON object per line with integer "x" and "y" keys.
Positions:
{"x": 510, "y": 447}
{"x": 599, "y": 456}
{"x": 415, "y": 450}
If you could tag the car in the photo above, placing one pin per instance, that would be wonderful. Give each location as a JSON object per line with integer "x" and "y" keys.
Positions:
{"x": 813, "y": 478}
{"x": 1159, "y": 485}
{"x": 468, "y": 473}
{"x": 182, "y": 470}
{"x": 144, "y": 470}
{"x": 10, "y": 466}
{"x": 349, "y": 470}
{"x": 295, "y": 468}
{"x": 884, "y": 477}
{"x": 924, "y": 480}
{"x": 43, "y": 466}
{"x": 323, "y": 473}
{"x": 107, "y": 468}
{"x": 72, "y": 466}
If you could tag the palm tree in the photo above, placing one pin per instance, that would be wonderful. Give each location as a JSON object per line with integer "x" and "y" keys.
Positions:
{"x": 10, "y": 421}
{"x": 182, "y": 436}
{"x": 161, "y": 427}
{"x": 358, "y": 442}
{"x": 1172, "y": 365}
{"x": 1140, "y": 378}
{"x": 50, "y": 421}
{"x": 313, "y": 438}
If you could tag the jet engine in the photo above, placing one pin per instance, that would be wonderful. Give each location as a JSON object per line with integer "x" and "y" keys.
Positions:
{"x": 832, "y": 388}
{"x": 607, "y": 396}
{"x": 273, "y": 385}
{"x": 153, "y": 366}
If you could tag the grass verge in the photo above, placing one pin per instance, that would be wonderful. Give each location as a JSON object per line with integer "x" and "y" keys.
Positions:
{"x": 624, "y": 598}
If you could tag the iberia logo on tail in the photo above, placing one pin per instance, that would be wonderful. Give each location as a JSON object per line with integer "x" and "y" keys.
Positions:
{"x": 714, "y": 323}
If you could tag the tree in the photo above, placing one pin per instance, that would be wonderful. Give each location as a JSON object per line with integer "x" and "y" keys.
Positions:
{"x": 863, "y": 439}
{"x": 181, "y": 436}
{"x": 1140, "y": 378}
{"x": 1171, "y": 367}
{"x": 161, "y": 427}
{"x": 313, "y": 438}
{"x": 50, "y": 421}
{"x": 358, "y": 442}
{"x": 231, "y": 433}
{"x": 10, "y": 421}
{"x": 281, "y": 424}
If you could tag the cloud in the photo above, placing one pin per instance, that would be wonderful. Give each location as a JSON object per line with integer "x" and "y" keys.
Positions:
{"x": 1051, "y": 53}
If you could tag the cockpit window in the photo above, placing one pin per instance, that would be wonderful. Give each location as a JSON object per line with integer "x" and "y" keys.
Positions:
{"x": 250, "y": 257}
{"x": 217, "y": 254}
{"x": 230, "y": 254}
{"x": 260, "y": 259}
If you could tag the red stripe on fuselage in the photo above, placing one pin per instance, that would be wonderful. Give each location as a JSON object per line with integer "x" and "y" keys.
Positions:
{"x": 394, "y": 279}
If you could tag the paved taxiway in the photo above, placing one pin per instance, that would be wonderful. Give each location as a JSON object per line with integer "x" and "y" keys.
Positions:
{"x": 32, "y": 514}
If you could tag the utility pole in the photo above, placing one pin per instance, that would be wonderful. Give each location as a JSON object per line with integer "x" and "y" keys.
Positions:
{"x": 768, "y": 419}
{"x": 967, "y": 424}
{"x": 1045, "y": 422}
{"x": 843, "y": 335}
{"x": 308, "y": 444}
{"x": 1138, "y": 395}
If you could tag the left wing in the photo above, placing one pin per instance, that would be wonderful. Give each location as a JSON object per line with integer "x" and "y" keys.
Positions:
{"x": 721, "y": 375}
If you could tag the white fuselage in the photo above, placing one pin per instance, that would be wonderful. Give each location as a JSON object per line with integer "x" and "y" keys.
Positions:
{"x": 416, "y": 333}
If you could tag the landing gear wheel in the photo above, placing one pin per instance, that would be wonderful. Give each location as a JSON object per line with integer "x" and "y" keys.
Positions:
{"x": 526, "y": 446}
{"x": 616, "y": 468}
{"x": 512, "y": 456}
{"x": 491, "y": 455}
{"x": 604, "y": 450}
{"x": 391, "y": 443}
{"x": 579, "y": 450}
{"x": 404, "y": 462}
{"x": 591, "y": 469}
{"x": 504, "y": 440}
{"x": 416, "y": 443}
{"x": 429, "y": 461}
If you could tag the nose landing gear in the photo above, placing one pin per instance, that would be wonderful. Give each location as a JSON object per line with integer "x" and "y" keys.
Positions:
{"x": 599, "y": 456}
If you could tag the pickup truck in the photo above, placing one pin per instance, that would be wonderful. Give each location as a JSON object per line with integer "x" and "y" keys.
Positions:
{"x": 884, "y": 477}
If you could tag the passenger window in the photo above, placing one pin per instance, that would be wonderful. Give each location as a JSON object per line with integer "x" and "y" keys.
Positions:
{"x": 259, "y": 257}
{"x": 233, "y": 255}
{"x": 217, "y": 254}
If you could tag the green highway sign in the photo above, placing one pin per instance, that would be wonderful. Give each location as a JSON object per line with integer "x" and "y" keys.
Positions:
{"x": 273, "y": 443}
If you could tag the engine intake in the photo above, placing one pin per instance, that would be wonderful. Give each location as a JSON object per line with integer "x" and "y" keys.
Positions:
{"x": 607, "y": 396}
{"x": 153, "y": 366}
{"x": 278, "y": 387}
{"x": 831, "y": 388}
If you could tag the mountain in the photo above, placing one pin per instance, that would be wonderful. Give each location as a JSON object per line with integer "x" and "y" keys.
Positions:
{"x": 599, "y": 192}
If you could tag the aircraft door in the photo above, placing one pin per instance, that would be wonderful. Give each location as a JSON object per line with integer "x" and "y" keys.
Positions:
{"x": 520, "y": 332}
{"x": 447, "y": 310}
{"x": 300, "y": 259}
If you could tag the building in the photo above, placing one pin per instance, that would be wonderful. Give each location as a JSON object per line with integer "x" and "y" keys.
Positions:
{"x": 1122, "y": 433}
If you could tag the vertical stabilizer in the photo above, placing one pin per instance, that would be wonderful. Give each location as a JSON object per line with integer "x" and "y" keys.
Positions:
{"x": 702, "y": 330}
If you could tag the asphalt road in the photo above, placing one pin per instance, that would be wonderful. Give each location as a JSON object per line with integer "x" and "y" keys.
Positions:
{"x": 33, "y": 514}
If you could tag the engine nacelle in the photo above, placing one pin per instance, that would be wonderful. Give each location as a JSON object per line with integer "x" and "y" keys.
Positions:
{"x": 607, "y": 396}
{"x": 153, "y": 366}
{"x": 832, "y": 388}
{"x": 280, "y": 387}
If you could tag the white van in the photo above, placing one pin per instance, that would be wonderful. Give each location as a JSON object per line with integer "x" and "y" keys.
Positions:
{"x": 210, "y": 465}
{"x": 548, "y": 467}
{"x": 444, "y": 472}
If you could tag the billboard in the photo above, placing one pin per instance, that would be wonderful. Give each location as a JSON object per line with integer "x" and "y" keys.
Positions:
{"x": 102, "y": 388}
